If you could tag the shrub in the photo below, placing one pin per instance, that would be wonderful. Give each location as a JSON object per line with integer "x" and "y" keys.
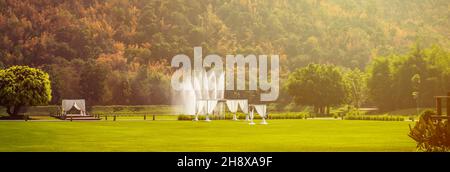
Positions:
{"x": 431, "y": 135}
{"x": 184, "y": 117}
{"x": 335, "y": 115}
{"x": 288, "y": 115}
{"x": 374, "y": 118}
{"x": 241, "y": 116}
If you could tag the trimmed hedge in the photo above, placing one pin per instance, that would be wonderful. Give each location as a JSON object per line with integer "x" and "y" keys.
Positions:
{"x": 374, "y": 118}
{"x": 287, "y": 115}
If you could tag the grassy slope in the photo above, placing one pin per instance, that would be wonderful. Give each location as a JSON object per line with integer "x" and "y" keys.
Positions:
{"x": 279, "y": 135}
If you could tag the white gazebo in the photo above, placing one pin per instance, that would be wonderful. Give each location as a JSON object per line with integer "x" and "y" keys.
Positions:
{"x": 233, "y": 105}
{"x": 68, "y": 104}
{"x": 208, "y": 106}
{"x": 261, "y": 110}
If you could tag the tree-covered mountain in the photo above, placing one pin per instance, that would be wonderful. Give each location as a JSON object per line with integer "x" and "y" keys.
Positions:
{"x": 132, "y": 41}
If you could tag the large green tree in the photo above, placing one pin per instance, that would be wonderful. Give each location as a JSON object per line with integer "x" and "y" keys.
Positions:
{"x": 92, "y": 82}
{"x": 317, "y": 85}
{"x": 356, "y": 84}
{"x": 380, "y": 83}
{"x": 409, "y": 80}
{"x": 23, "y": 86}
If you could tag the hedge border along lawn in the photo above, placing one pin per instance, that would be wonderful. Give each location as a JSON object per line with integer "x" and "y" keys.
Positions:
{"x": 241, "y": 116}
{"x": 375, "y": 117}
{"x": 278, "y": 135}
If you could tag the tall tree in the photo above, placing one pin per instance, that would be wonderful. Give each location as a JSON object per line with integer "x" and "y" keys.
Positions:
{"x": 92, "y": 82}
{"x": 379, "y": 84}
{"x": 317, "y": 85}
{"x": 356, "y": 84}
{"x": 22, "y": 86}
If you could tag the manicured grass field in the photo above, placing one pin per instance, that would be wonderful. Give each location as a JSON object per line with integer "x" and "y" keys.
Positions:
{"x": 279, "y": 135}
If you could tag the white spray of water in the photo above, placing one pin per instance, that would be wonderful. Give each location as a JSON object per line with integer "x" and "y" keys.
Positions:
{"x": 203, "y": 86}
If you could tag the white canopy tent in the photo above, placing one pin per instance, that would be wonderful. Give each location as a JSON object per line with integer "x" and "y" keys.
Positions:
{"x": 261, "y": 110}
{"x": 234, "y": 104}
{"x": 208, "y": 106}
{"x": 78, "y": 104}
{"x": 205, "y": 107}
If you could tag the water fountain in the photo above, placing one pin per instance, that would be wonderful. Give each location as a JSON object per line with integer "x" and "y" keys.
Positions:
{"x": 201, "y": 93}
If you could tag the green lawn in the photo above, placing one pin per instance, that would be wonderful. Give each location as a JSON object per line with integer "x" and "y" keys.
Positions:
{"x": 279, "y": 135}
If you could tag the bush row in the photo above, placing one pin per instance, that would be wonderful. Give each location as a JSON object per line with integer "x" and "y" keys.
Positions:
{"x": 374, "y": 118}
{"x": 288, "y": 115}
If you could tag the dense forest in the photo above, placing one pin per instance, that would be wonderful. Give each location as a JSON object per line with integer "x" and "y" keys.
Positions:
{"x": 119, "y": 51}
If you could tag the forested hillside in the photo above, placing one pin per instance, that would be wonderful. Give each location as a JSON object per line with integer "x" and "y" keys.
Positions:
{"x": 119, "y": 51}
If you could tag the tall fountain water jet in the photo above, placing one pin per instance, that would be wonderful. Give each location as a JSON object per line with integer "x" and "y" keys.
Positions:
{"x": 203, "y": 86}
{"x": 187, "y": 95}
